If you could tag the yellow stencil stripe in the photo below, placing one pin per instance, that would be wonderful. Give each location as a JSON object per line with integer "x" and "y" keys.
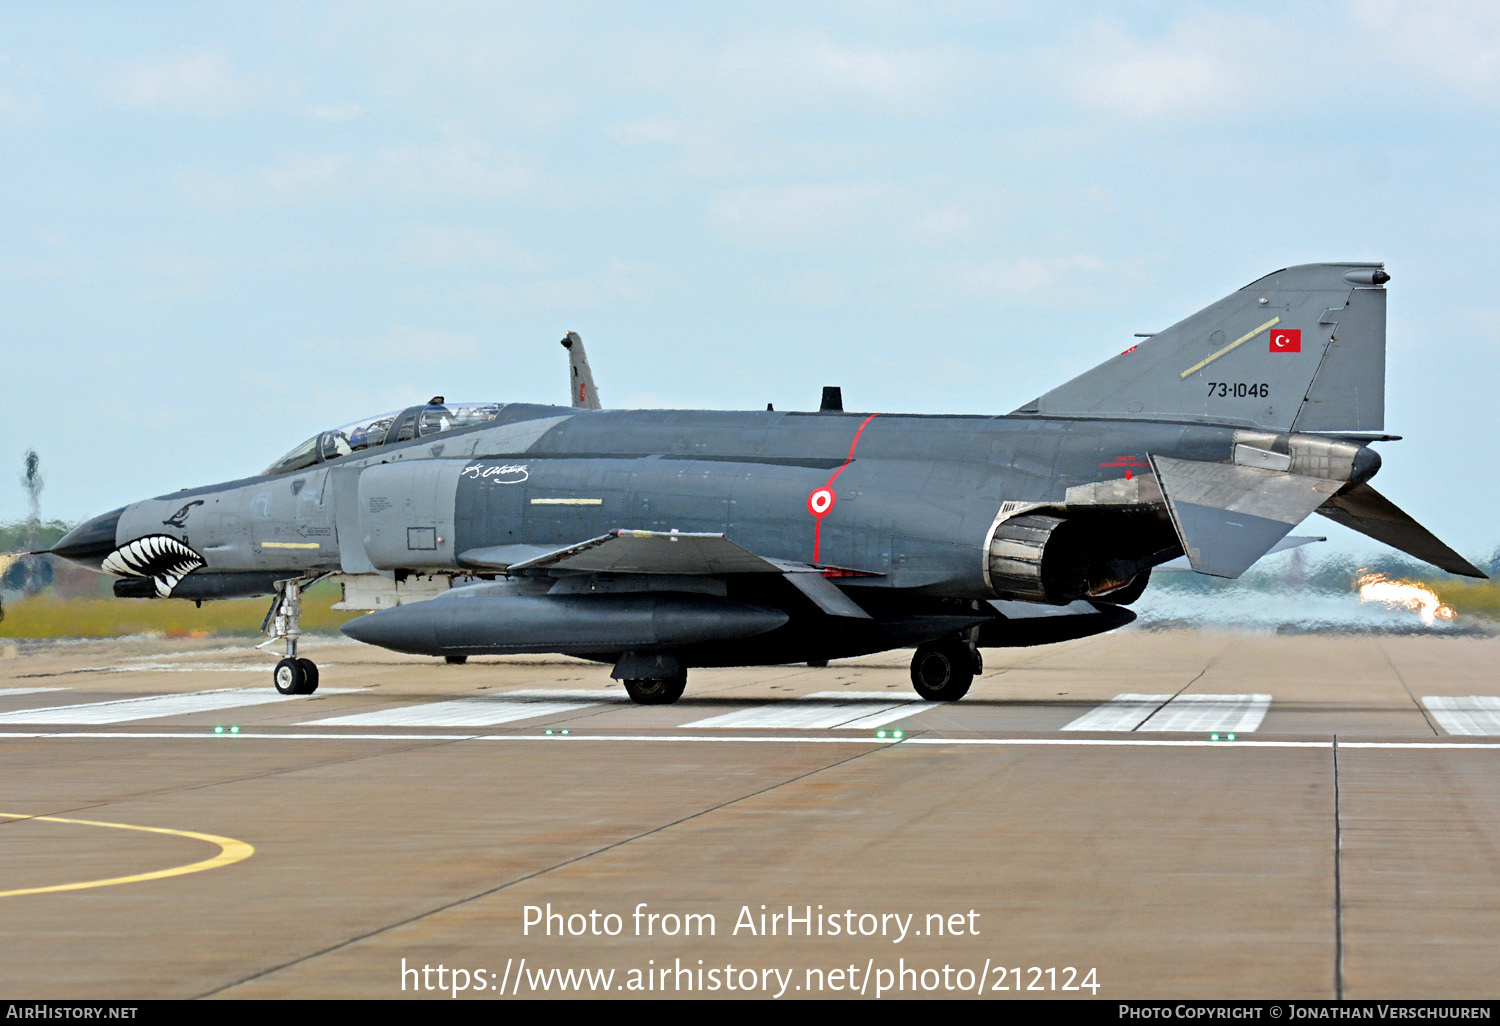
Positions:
{"x": 230, "y": 852}
{"x": 1237, "y": 342}
{"x": 289, "y": 545}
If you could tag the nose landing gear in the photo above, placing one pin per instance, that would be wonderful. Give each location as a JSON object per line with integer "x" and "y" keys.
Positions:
{"x": 292, "y": 676}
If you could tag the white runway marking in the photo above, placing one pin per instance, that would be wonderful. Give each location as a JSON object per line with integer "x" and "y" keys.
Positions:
{"x": 27, "y": 691}
{"x": 1466, "y": 714}
{"x": 1123, "y": 712}
{"x": 182, "y": 668}
{"x": 1238, "y": 714}
{"x": 124, "y": 710}
{"x": 829, "y": 710}
{"x": 200, "y": 735}
{"x": 483, "y": 711}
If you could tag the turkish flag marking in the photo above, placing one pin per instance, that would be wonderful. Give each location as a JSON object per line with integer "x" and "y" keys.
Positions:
{"x": 1286, "y": 340}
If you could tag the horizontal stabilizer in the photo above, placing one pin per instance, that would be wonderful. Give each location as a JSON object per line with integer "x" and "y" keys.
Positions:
{"x": 1370, "y": 513}
{"x": 1291, "y": 541}
{"x": 653, "y": 552}
{"x": 1228, "y": 516}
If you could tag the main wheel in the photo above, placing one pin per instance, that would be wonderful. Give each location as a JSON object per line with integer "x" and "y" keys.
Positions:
{"x": 656, "y": 690}
{"x": 942, "y": 671}
{"x": 455, "y": 660}
{"x": 290, "y": 677}
{"x": 310, "y": 676}
{"x": 675, "y": 687}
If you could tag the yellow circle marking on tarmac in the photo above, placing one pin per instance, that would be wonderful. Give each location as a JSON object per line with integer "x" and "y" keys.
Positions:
{"x": 230, "y": 852}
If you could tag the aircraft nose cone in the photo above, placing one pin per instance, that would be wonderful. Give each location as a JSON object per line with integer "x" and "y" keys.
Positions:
{"x": 91, "y": 541}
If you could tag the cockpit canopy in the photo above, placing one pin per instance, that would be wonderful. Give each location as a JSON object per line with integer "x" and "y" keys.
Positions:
{"x": 402, "y": 426}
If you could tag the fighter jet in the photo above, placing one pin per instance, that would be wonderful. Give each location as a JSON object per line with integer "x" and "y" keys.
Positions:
{"x": 655, "y": 541}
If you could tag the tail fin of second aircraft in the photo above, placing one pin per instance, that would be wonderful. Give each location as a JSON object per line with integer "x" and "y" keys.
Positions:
{"x": 581, "y": 379}
{"x": 1302, "y": 349}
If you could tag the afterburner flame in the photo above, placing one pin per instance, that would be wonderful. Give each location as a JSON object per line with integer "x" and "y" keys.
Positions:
{"x": 1376, "y": 587}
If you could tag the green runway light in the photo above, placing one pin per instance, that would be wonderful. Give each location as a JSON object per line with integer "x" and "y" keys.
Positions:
{"x": 218, "y": 730}
{"x": 1213, "y": 737}
{"x": 567, "y": 732}
{"x": 897, "y": 735}
{"x": 234, "y": 730}
{"x": 880, "y": 733}
{"x": 1231, "y": 737}
{"x": 548, "y": 732}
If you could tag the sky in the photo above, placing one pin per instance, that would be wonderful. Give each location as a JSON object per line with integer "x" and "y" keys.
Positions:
{"x": 226, "y": 227}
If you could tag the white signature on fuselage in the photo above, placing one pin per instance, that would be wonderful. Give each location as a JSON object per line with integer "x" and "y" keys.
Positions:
{"x": 508, "y": 474}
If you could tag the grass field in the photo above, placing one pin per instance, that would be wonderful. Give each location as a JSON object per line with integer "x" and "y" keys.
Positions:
{"x": 48, "y": 617}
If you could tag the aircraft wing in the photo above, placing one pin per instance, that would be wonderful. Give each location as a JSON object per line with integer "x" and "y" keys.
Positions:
{"x": 633, "y": 552}
{"x": 666, "y": 552}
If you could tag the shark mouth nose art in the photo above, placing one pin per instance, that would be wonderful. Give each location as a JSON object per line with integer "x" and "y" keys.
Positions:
{"x": 157, "y": 556}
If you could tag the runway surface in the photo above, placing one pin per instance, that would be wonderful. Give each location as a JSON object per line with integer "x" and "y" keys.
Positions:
{"x": 1186, "y": 814}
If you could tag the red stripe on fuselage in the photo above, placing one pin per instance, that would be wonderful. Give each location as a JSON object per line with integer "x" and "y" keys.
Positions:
{"x": 818, "y": 520}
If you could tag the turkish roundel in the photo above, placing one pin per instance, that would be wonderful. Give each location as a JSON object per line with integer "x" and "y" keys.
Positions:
{"x": 1286, "y": 340}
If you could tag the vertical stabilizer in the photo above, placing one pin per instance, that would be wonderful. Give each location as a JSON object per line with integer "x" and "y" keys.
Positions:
{"x": 582, "y": 394}
{"x": 1302, "y": 349}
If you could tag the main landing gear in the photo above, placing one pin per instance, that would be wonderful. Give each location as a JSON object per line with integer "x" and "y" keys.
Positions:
{"x": 293, "y": 676}
{"x": 656, "y": 690}
{"x": 942, "y": 671}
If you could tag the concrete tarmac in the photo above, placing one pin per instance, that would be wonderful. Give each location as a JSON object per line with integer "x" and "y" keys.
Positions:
{"x": 1072, "y": 822}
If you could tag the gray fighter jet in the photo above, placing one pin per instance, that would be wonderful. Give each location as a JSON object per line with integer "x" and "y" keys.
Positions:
{"x": 659, "y": 540}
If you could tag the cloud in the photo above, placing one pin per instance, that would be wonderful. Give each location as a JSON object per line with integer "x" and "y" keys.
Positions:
{"x": 451, "y": 169}
{"x": 199, "y": 82}
{"x": 618, "y": 282}
{"x": 809, "y": 70}
{"x": 1454, "y": 41}
{"x": 1199, "y": 66}
{"x": 643, "y": 131}
{"x": 1024, "y": 279}
{"x": 437, "y": 246}
{"x": 942, "y": 225}
{"x": 336, "y": 111}
{"x": 783, "y": 217}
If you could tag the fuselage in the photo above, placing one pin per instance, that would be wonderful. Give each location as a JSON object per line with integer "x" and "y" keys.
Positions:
{"x": 906, "y": 501}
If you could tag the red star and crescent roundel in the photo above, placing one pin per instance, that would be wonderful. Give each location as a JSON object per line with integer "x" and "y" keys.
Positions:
{"x": 1286, "y": 340}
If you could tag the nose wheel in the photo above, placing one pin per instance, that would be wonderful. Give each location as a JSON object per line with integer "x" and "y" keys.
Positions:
{"x": 292, "y": 676}
{"x": 296, "y": 676}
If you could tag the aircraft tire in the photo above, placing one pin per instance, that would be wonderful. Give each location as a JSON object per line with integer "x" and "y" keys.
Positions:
{"x": 455, "y": 660}
{"x": 289, "y": 676}
{"x": 941, "y": 671}
{"x": 656, "y": 690}
{"x": 309, "y": 676}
